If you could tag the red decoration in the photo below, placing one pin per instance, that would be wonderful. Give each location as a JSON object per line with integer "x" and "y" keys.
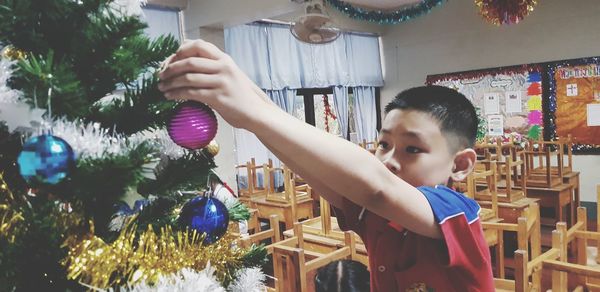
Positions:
{"x": 501, "y": 12}
{"x": 328, "y": 112}
{"x": 534, "y": 89}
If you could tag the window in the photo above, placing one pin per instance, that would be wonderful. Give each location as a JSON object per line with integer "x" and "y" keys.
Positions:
{"x": 311, "y": 109}
{"x": 326, "y": 121}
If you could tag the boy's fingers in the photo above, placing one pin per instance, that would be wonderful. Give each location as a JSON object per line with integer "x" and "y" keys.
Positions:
{"x": 190, "y": 80}
{"x": 198, "y": 48}
{"x": 166, "y": 62}
{"x": 189, "y": 93}
{"x": 195, "y": 65}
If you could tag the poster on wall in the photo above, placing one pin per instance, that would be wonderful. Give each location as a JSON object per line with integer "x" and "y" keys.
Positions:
{"x": 495, "y": 125}
{"x": 510, "y": 98}
{"x": 576, "y": 102}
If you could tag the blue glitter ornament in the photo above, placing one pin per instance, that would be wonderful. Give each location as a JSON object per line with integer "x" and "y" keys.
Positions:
{"x": 205, "y": 215}
{"x": 45, "y": 159}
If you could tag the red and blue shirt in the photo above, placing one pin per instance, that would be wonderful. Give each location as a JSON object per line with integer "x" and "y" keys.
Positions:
{"x": 400, "y": 260}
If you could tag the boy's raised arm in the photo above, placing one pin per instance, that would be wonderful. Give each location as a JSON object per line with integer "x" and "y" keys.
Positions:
{"x": 200, "y": 71}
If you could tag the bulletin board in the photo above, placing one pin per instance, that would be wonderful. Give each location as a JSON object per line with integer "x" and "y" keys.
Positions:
{"x": 574, "y": 102}
{"x": 508, "y": 98}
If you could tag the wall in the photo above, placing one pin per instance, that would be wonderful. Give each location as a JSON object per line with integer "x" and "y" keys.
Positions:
{"x": 454, "y": 37}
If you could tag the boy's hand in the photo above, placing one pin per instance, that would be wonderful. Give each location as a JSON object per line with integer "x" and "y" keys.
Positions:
{"x": 200, "y": 71}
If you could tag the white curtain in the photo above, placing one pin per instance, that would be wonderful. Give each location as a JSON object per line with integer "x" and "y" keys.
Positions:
{"x": 274, "y": 59}
{"x": 365, "y": 113}
{"x": 340, "y": 103}
{"x": 247, "y": 45}
{"x": 284, "y": 98}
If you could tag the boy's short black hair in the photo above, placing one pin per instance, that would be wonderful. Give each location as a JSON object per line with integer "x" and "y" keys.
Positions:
{"x": 454, "y": 112}
{"x": 343, "y": 275}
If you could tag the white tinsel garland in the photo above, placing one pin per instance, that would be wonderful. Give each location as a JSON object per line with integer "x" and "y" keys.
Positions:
{"x": 248, "y": 280}
{"x": 161, "y": 137}
{"x": 90, "y": 140}
{"x": 7, "y": 94}
{"x": 186, "y": 280}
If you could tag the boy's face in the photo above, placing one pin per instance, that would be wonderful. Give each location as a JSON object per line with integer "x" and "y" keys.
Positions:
{"x": 412, "y": 146}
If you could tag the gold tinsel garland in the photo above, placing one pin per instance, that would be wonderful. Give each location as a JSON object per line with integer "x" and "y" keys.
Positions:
{"x": 499, "y": 12}
{"x": 128, "y": 261}
{"x": 12, "y": 54}
{"x": 9, "y": 218}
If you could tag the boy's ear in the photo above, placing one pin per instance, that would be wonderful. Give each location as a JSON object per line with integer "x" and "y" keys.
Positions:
{"x": 464, "y": 162}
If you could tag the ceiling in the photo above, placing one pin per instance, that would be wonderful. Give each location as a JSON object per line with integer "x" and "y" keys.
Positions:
{"x": 382, "y": 4}
{"x": 223, "y": 13}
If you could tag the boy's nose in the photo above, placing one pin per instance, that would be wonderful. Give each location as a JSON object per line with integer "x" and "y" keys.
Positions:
{"x": 392, "y": 164}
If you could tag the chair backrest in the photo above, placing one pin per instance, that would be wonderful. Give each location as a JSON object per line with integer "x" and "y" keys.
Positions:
{"x": 487, "y": 193}
{"x": 528, "y": 229}
{"x": 545, "y": 152}
{"x": 253, "y": 185}
{"x": 273, "y": 234}
{"x": 578, "y": 236}
{"x": 292, "y": 193}
{"x": 561, "y": 267}
{"x": 292, "y": 261}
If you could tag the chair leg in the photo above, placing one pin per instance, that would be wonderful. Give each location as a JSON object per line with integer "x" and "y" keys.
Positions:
{"x": 500, "y": 255}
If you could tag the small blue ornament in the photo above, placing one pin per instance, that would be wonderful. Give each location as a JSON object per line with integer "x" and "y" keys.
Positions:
{"x": 45, "y": 159}
{"x": 205, "y": 215}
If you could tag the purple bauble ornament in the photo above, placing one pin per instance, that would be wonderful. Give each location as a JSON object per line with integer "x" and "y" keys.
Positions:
{"x": 193, "y": 125}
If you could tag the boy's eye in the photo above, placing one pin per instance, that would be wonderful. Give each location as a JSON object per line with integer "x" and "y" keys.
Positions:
{"x": 383, "y": 145}
{"x": 411, "y": 149}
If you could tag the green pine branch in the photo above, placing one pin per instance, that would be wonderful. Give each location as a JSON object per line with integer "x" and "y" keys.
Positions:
{"x": 188, "y": 173}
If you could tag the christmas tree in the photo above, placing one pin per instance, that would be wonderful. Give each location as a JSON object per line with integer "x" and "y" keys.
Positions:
{"x": 78, "y": 76}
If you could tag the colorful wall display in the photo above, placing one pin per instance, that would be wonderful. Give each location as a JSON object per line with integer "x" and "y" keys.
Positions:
{"x": 510, "y": 99}
{"x": 574, "y": 99}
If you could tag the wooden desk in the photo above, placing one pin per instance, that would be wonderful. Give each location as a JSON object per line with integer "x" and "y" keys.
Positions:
{"x": 509, "y": 212}
{"x": 556, "y": 197}
{"x": 572, "y": 178}
{"x": 284, "y": 211}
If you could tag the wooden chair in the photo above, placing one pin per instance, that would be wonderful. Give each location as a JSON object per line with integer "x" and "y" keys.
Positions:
{"x": 578, "y": 236}
{"x": 528, "y": 272}
{"x": 323, "y": 234}
{"x": 541, "y": 174}
{"x": 528, "y": 231}
{"x": 291, "y": 205}
{"x": 511, "y": 180}
{"x": 493, "y": 237}
{"x": 369, "y": 146}
{"x": 292, "y": 261}
{"x": 291, "y": 191}
{"x": 272, "y": 234}
{"x": 487, "y": 150}
{"x": 252, "y": 189}
{"x": 587, "y": 276}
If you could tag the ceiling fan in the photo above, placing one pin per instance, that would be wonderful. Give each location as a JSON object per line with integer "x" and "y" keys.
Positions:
{"x": 314, "y": 27}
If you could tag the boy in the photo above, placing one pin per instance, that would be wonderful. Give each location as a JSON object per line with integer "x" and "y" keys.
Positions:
{"x": 417, "y": 238}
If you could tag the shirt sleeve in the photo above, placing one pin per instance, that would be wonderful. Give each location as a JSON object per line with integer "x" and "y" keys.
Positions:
{"x": 348, "y": 216}
{"x": 458, "y": 217}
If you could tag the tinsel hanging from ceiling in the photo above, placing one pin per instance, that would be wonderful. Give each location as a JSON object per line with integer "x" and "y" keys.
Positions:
{"x": 505, "y": 12}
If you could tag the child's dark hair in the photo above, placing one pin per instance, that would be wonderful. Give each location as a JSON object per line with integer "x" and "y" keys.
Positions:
{"x": 343, "y": 275}
{"x": 454, "y": 112}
